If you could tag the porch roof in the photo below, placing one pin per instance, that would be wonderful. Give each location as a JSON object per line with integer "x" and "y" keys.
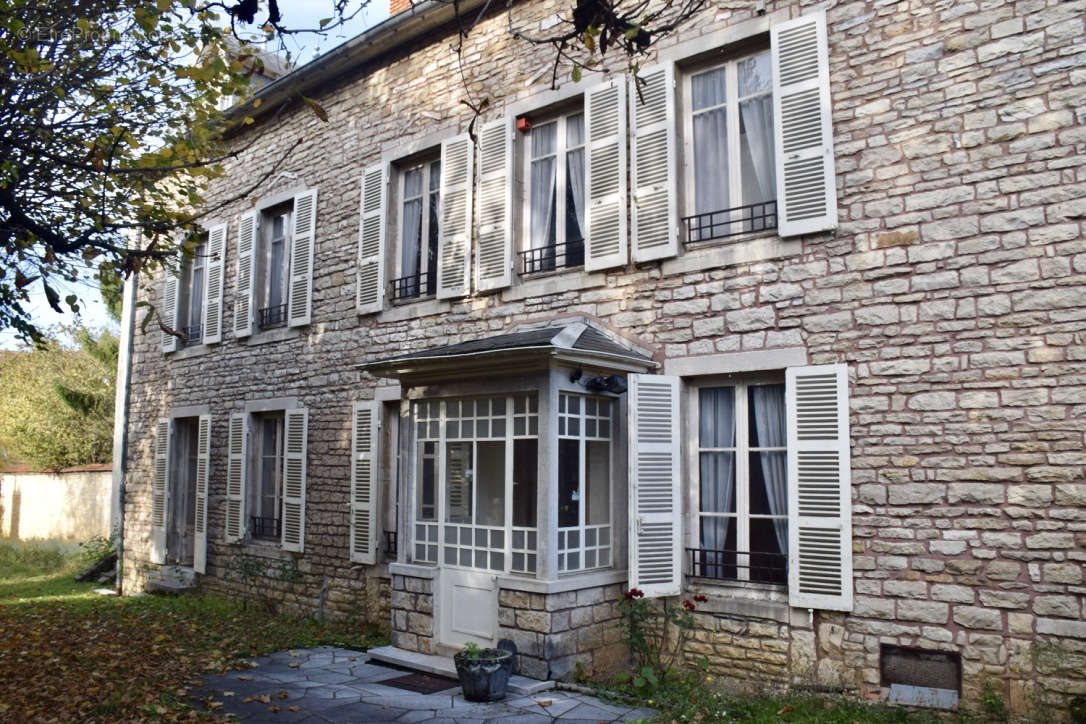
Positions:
{"x": 576, "y": 343}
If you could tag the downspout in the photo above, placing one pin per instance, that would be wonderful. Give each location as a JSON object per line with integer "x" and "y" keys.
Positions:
{"x": 120, "y": 420}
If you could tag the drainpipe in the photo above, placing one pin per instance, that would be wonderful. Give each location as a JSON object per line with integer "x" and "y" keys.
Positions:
{"x": 120, "y": 419}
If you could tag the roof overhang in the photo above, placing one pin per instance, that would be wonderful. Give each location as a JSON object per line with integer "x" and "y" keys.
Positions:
{"x": 449, "y": 363}
{"x": 392, "y": 34}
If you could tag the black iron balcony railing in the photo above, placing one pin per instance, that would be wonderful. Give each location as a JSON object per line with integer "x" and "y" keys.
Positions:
{"x": 412, "y": 287}
{"x": 731, "y": 222}
{"x": 193, "y": 335}
{"x": 265, "y": 527}
{"x": 272, "y": 317}
{"x": 549, "y": 258}
{"x": 727, "y": 565}
{"x": 390, "y": 545}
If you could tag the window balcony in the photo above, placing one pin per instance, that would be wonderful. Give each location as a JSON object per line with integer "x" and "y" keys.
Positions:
{"x": 193, "y": 335}
{"x": 550, "y": 258}
{"x": 272, "y": 317}
{"x": 726, "y": 223}
{"x": 270, "y": 528}
{"x": 723, "y": 565}
{"x": 412, "y": 287}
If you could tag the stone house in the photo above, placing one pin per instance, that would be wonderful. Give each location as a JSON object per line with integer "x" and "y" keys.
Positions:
{"x": 796, "y": 322}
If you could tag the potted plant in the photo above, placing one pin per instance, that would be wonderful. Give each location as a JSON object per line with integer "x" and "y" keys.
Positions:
{"x": 484, "y": 673}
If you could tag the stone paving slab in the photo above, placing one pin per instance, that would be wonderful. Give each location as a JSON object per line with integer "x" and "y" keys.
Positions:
{"x": 328, "y": 684}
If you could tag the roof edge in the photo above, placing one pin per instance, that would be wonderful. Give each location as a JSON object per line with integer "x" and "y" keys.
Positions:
{"x": 397, "y": 30}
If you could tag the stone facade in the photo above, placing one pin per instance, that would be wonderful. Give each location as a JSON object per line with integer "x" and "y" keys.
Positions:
{"x": 954, "y": 289}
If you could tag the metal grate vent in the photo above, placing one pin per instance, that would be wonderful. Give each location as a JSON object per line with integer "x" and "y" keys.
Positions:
{"x": 917, "y": 677}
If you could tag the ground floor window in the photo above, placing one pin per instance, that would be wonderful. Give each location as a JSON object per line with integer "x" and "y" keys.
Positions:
{"x": 584, "y": 482}
{"x": 742, "y": 492}
{"x": 182, "y": 503}
{"x": 476, "y": 482}
{"x": 267, "y": 485}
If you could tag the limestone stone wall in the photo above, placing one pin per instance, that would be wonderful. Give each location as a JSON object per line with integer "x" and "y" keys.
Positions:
{"x": 953, "y": 289}
{"x": 412, "y": 608}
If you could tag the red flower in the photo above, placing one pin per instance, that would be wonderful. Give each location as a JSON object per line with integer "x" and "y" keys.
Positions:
{"x": 688, "y": 605}
{"x": 701, "y": 598}
{"x": 634, "y": 593}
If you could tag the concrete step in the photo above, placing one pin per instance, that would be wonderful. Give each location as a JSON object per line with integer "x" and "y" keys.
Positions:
{"x": 170, "y": 587}
{"x": 444, "y": 666}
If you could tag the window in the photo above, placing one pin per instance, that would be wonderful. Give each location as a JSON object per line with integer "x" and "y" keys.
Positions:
{"x": 274, "y": 258}
{"x": 555, "y": 204}
{"x": 731, "y": 177}
{"x": 584, "y": 482}
{"x": 463, "y": 482}
{"x": 182, "y": 491}
{"x": 190, "y": 302}
{"x": 420, "y": 195}
{"x": 267, "y": 482}
{"x": 742, "y": 486}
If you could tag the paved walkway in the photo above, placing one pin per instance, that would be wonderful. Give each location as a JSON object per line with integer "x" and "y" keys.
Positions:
{"x": 327, "y": 684}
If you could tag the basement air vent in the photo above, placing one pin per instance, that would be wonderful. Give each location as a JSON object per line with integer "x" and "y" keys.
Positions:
{"x": 916, "y": 677}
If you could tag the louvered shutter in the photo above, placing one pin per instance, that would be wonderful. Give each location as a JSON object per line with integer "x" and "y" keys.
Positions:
{"x": 243, "y": 302}
{"x": 819, "y": 500}
{"x": 803, "y": 138}
{"x": 168, "y": 311}
{"x": 494, "y": 270}
{"x": 216, "y": 253}
{"x": 605, "y": 175}
{"x": 364, "y": 482}
{"x": 300, "y": 309}
{"x": 655, "y": 485}
{"x": 160, "y": 491}
{"x": 203, "y": 470}
{"x": 294, "y": 454}
{"x": 371, "y": 240}
{"x": 236, "y": 477}
{"x": 454, "y": 242}
{"x": 654, "y": 210}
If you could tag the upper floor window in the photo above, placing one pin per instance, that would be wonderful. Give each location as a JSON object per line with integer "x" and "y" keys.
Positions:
{"x": 555, "y": 205}
{"x": 191, "y": 294}
{"x": 731, "y": 178}
{"x": 274, "y": 258}
{"x": 420, "y": 194}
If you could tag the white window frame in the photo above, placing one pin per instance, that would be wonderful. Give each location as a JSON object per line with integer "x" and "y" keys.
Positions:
{"x": 187, "y": 290}
{"x": 254, "y": 485}
{"x": 742, "y": 450}
{"x": 427, "y": 162}
{"x": 264, "y": 239}
{"x": 583, "y": 525}
{"x": 731, "y": 106}
{"x": 561, "y": 153}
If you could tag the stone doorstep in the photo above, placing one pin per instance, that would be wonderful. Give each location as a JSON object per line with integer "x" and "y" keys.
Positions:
{"x": 171, "y": 587}
{"x": 444, "y": 666}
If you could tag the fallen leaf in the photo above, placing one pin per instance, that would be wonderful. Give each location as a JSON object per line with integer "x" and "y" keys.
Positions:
{"x": 282, "y": 694}
{"x": 273, "y": 707}
{"x": 784, "y": 710}
{"x": 293, "y": 707}
{"x": 294, "y": 664}
{"x": 244, "y": 677}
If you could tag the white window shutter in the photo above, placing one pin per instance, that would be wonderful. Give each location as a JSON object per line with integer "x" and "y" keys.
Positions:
{"x": 654, "y": 210}
{"x": 236, "y": 479}
{"x": 216, "y": 254}
{"x": 369, "y": 296}
{"x": 495, "y": 264}
{"x": 803, "y": 133}
{"x": 655, "y": 485}
{"x": 300, "y": 304}
{"x": 454, "y": 241}
{"x": 294, "y": 464}
{"x": 168, "y": 311}
{"x": 160, "y": 491}
{"x": 819, "y": 499}
{"x": 203, "y": 469}
{"x": 365, "y": 425}
{"x": 243, "y": 302}
{"x": 605, "y": 175}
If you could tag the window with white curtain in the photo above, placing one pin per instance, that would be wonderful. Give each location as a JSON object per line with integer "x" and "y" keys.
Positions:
{"x": 741, "y": 496}
{"x": 191, "y": 292}
{"x": 555, "y": 203}
{"x": 728, "y": 139}
{"x": 419, "y": 194}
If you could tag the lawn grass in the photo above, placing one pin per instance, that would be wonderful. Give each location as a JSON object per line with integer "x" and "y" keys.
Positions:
{"x": 67, "y": 653}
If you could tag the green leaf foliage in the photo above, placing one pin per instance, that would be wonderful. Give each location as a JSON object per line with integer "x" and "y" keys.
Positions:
{"x": 56, "y": 402}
